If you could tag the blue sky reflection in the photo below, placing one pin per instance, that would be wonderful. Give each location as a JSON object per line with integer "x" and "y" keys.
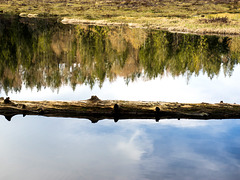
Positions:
{"x": 60, "y": 148}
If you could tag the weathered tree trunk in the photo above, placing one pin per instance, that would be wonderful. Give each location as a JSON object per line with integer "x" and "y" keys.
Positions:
{"x": 96, "y": 109}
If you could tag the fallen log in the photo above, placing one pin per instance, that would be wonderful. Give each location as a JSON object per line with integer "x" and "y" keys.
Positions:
{"x": 95, "y": 109}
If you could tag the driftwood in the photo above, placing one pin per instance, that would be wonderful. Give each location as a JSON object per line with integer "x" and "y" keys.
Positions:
{"x": 95, "y": 109}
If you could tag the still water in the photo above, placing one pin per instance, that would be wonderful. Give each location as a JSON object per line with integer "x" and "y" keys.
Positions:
{"x": 42, "y": 59}
{"x": 58, "y": 149}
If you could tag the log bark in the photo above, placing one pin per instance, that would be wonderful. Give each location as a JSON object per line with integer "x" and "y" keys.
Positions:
{"x": 95, "y": 109}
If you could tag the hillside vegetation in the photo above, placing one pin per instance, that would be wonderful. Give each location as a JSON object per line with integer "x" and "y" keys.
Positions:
{"x": 195, "y": 16}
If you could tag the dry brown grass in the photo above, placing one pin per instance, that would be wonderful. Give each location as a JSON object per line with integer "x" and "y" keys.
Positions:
{"x": 201, "y": 16}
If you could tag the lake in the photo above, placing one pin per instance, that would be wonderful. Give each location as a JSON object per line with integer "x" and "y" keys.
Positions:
{"x": 43, "y": 59}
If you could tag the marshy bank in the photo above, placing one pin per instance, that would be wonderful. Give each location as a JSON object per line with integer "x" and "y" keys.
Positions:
{"x": 197, "y": 17}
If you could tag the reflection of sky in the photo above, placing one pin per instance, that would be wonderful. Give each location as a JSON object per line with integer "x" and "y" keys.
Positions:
{"x": 60, "y": 148}
{"x": 64, "y": 148}
{"x": 167, "y": 88}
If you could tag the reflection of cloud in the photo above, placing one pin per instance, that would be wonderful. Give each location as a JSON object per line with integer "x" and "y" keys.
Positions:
{"x": 216, "y": 125}
{"x": 197, "y": 159}
{"x": 183, "y": 123}
{"x": 189, "y": 153}
{"x": 57, "y": 148}
{"x": 186, "y": 164}
{"x": 130, "y": 147}
{"x": 61, "y": 148}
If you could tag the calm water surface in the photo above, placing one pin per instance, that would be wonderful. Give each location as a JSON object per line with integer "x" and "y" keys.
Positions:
{"x": 58, "y": 148}
{"x": 42, "y": 59}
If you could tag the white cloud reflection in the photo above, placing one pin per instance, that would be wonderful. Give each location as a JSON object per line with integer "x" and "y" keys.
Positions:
{"x": 48, "y": 148}
{"x": 132, "y": 147}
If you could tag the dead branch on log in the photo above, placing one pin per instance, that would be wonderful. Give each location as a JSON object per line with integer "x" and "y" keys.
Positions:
{"x": 95, "y": 109}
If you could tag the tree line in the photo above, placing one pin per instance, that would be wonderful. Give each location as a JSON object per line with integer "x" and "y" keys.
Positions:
{"x": 44, "y": 53}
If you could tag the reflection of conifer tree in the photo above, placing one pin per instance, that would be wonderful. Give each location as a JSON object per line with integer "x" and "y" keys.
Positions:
{"x": 95, "y": 54}
{"x": 183, "y": 54}
{"x": 43, "y": 53}
{"x": 154, "y": 53}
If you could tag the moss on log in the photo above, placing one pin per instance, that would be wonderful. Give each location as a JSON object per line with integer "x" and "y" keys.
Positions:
{"x": 95, "y": 109}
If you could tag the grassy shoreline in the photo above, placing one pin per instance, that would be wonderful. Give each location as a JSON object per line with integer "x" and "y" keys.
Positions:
{"x": 197, "y": 17}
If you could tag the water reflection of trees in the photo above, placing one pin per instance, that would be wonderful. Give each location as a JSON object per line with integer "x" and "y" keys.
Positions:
{"x": 178, "y": 54}
{"x": 43, "y": 53}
